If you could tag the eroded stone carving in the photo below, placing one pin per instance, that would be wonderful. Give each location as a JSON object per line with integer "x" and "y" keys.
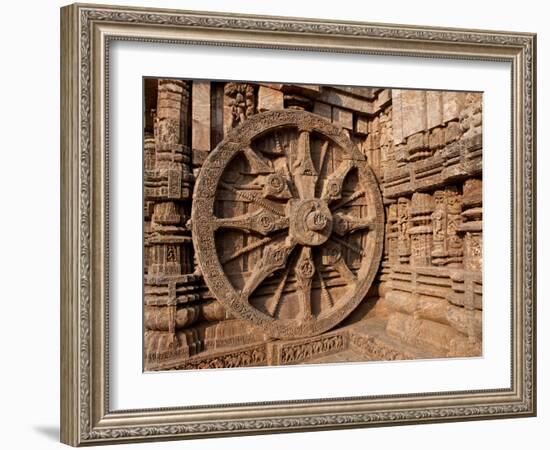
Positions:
{"x": 239, "y": 100}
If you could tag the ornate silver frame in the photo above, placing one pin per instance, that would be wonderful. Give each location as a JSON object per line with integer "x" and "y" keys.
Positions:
{"x": 86, "y": 31}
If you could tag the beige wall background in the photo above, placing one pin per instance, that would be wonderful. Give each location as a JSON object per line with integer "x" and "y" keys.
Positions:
{"x": 30, "y": 227}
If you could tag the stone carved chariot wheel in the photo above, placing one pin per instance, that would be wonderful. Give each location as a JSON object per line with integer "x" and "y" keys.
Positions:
{"x": 287, "y": 223}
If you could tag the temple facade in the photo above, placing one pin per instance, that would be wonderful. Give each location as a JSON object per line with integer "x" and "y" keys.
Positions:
{"x": 289, "y": 224}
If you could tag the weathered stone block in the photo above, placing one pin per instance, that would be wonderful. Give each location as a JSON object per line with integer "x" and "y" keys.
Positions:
{"x": 415, "y": 142}
{"x": 383, "y": 99}
{"x": 452, "y": 132}
{"x": 322, "y": 109}
{"x": 200, "y": 113}
{"x": 462, "y": 346}
{"x": 414, "y": 112}
{"x": 277, "y": 86}
{"x": 452, "y": 105}
{"x": 421, "y": 332}
{"x": 307, "y": 90}
{"x": 348, "y": 101}
{"x": 436, "y": 139}
{"x": 467, "y": 322}
{"x": 373, "y": 141}
{"x": 434, "y": 109}
{"x": 269, "y": 99}
{"x": 342, "y": 118}
{"x": 397, "y": 116}
{"x": 361, "y": 125}
{"x": 367, "y": 93}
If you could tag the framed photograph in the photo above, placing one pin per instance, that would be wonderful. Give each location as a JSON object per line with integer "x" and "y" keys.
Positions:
{"x": 281, "y": 224}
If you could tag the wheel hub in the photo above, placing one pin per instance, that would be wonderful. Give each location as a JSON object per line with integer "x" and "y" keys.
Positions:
{"x": 310, "y": 221}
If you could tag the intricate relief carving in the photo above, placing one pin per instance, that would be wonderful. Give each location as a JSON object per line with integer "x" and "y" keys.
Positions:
{"x": 473, "y": 244}
{"x": 421, "y": 229}
{"x": 296, "y": 353}
{"x": 454, "y": 220}
{"x": 239, "y": 103}
{"x": 403, "y": 236}
{"x": 439, "y": 221}
{"x": 250, "y": 357}
{"x": 471, "y": 227}
{"x": 392, "y": 234}
{"x": 447, "y": 220}
{"x": 377, "y": 350}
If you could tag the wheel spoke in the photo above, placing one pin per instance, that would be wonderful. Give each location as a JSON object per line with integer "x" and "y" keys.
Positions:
{"x": 279, "y": 149}
{"x": 246, "y": 249}
{"x": 341, "y": 267}
{"x": 274, "y": 258}
{"x": 344, "y": 223}
{"x": 347, "y": 200}
{"x": 258, "y": 163}
{"x": 323, "y": 157}
{"x": 324, "y": 290}
{"x": 279, "y": 293}
{"x": 305, "y": 269}
{"x": 254, "y": 198}
{"x": 348, "y": 245}
{"x": 305, "y": 175}
{"x": 332, "y": 256}
{"x": 332, "y": 189}
{"x": 260, "y": 221}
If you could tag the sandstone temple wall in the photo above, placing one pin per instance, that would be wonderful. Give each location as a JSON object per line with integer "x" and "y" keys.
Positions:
{"x": 425, "y": 148}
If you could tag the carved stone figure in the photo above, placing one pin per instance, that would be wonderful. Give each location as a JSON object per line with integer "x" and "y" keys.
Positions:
{"x": 240, "y": 101}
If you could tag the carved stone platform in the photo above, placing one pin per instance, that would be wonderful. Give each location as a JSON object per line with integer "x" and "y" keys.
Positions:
{"x": 366, "y": 340}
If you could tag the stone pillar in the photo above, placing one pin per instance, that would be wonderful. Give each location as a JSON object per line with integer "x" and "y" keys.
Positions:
{"x": 439, "y": 225}
{"x": 446, "y": 218}
{"x": 166, "y": 255}
{"x": 148, "y": 168}
{"x": 200, "y": 121}
{"x": 373, "y": 144}
{"x": 149, "y": 155}
{"x": 169, "y": 254}
{"x": 454, "y": 220}
{"x": 471, "y": 230}
{"x": 392, "y": 234}
{"x": 403, "y": 225}
{"x": 389, "y": 257}
{"x": 386, "y": 141}
{"x": 472, "y": 225}
{"x": 172, "y": 103}
{"x": 421, "y": 229}
{"x": 168, "y": 247}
